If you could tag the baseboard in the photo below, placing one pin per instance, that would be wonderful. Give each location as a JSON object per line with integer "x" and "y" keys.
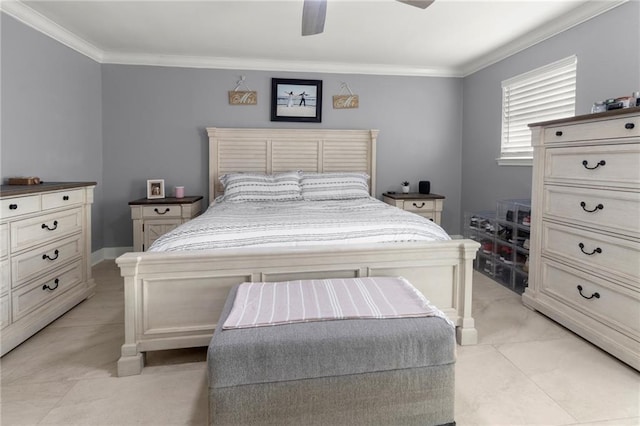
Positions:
{"x": 107, "y": 253}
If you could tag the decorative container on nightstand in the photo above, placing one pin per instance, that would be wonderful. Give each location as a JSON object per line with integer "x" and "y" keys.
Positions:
{"x": 504, "y": 238}
{"x": 154, "y": 218}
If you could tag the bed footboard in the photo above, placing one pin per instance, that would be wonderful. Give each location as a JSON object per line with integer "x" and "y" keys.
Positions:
{"x": 173, "y": 300}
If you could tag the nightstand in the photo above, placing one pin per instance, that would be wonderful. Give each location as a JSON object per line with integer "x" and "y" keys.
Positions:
{"x": 425, "y": 205}
{"x": 154, "y": 218}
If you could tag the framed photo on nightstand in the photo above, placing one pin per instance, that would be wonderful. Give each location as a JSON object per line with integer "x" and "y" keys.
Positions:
{"x": 155, "y": 188}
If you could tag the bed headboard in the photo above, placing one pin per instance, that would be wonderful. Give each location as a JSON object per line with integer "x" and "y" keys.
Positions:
{"x": 281, "y": 150}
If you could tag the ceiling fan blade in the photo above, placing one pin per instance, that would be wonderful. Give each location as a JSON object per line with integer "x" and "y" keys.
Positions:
{"x": 313, "y": 14}
{"x": 422, "y": 4}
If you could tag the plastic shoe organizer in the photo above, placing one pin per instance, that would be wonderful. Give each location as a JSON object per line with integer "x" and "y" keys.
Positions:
{"x": 504, "y": 242}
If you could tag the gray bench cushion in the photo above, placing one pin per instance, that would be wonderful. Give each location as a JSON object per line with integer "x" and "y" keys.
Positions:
{"x": 325, "y": 349}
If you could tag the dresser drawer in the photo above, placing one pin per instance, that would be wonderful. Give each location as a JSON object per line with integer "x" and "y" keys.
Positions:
{"x": 613, "y": 165}
{"x": 5, "y": 276}
{"x": 10, "y": 207}
{"x": 4, "y": 240}
{"x": 626, "y": 127}
{"x": 578, "y": 290}
{"x": 38, "y": 230}
{"x": 162, "y": 211}
{"x": 5, "y": 312}
{"x": 54, "y": 200}
{"x": 29, "y": 265}
{"x": 45, "y": 289}
{"x": 614, "y": 211}
{"x": 593, "y": 250}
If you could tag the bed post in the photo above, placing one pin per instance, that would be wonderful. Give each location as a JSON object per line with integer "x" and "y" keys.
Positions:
{"x": 131, "y": 360}
{"x": 466, "y": 333}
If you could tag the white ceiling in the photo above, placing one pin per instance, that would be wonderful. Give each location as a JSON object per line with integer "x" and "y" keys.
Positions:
{"x": 449, "y": 38}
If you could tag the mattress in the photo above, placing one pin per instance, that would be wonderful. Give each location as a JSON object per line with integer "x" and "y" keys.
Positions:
{"x": 298, "y": 223}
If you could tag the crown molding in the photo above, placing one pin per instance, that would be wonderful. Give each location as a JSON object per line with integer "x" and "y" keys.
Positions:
{"x": 258, "y": 64}
{"x": 37, "y": 21}
{"x": 554, "y": 27}
{"x": 30, "y": 17}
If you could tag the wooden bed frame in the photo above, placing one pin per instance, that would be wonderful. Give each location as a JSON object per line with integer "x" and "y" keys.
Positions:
{"x": 173, "y": 300}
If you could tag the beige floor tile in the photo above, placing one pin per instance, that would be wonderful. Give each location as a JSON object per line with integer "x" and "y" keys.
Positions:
{"x": 159, "y": 399}
{"x": 28, "y": 404}
{"x": 588, "y": 383}
{"x": 484, "y": 288}
{"x": 491, "y": 391}
{"x": 632, "y": 421}
{"x": 175, "y": 360}
{"x": 64, "y": 353}
{"x": 104, "y": 307}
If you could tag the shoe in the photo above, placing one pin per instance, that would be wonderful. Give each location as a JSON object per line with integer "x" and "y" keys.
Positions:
{"x": 525, "y": 245}
{"x": 525, "y": 267}
{"x": 506, "y": 255}
{"x": 526, "y": 220}
{"x": 487, "y": 247}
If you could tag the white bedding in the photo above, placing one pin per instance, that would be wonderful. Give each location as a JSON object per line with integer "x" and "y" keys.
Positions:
{"x": 298, "y": 223}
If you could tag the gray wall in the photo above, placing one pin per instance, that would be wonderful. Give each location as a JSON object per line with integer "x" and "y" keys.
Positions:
{"x": 608, "y": 66}
{"x": 155, "y": 118}
{"x": 51, "y": 112}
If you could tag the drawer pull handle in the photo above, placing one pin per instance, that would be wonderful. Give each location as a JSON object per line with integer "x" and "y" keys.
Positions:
{"x": 596, "y": 294}
{"x": 13, "y": 206}
{"x": 164, "y": 212}
{"x": 584, "y": 207}
{"x": 46, "y": 287}
{"x": 585, "y": 163}
{"x": 418, "y": 206}
{"x": 55, "y": 226}
{"x": 65, "y": 198}
{"x": 596, "y": 250}
{"x": 559, "y": 133}
{"x": 46, "y": 256}
{"x": 629, "y": 126}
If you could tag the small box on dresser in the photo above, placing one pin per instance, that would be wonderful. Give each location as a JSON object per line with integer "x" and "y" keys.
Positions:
{"x": 585, "y": 241}
{"x": 45, "y": 255}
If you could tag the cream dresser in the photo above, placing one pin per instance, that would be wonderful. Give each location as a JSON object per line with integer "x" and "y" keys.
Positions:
{"x": 45, "y": 255}
{"x": 585, "y": 230}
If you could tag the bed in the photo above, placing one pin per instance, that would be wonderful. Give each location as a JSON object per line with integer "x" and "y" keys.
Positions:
{"x": 173, "y": 298}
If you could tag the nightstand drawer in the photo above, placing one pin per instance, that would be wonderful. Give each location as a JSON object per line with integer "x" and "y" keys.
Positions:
{"x": 54, "y": 200}
{"x": 419, "y": 205}
{"x": 162, "y": 211}
{"x": 11, "y": 207}
{"x": 628, "y": 127}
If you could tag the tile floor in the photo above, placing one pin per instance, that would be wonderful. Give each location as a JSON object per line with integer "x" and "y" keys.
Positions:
{"x": 526, "y": 370}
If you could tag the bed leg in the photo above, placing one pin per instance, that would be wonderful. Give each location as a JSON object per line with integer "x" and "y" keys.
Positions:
{"x": 131, "y": 361}
{"x": 467, "y": 333}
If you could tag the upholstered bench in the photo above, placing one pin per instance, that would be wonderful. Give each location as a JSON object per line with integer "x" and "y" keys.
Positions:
{"x": 341, "y": 372}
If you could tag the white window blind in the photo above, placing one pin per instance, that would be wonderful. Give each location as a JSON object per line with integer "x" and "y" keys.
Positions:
{"x": 546, "y": 93}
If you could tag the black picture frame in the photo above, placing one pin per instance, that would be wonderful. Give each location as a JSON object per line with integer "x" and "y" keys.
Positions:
{"x": 296, "y": 100}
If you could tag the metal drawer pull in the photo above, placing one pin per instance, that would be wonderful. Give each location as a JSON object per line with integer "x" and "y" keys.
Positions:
{"x": 164, "y": 212}
{"x": 13, "y": 206}
{"x": 55, "y": 226}
{"x": 65, "y": 198}
{"x": 596, "y": 294}
{"x": 629, "y": 126}
{"x": 585, "y": 163}
{"x": 46, "y": 256}
{"x": 596, "y": 250}
{"x": 584, "y": 205}
{"x": 418, "y": 206}
{"x": 559, "y": 133}
{"x": 46, "y": 287}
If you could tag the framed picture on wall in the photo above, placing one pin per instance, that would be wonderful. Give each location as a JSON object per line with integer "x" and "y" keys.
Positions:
{"x": 155, "y": 188}
{"x": 296, "y": 100}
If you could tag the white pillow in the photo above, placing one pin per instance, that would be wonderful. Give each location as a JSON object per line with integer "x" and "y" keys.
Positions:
{"x": 334, "y": 186}
{"x": 261, "y": 187}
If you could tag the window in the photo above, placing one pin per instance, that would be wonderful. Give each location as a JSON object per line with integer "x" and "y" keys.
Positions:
{"x": 546, "y": 93}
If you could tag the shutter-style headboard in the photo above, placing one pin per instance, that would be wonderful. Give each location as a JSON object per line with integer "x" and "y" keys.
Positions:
{"x": 280, "y": 150}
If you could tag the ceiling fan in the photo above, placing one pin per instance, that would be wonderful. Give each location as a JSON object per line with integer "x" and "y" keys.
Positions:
{"x": 314, "y": 12}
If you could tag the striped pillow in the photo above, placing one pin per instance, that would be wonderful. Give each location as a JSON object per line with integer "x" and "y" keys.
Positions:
{"x": 334, "y": 186}
{"x": 261, "y": 187}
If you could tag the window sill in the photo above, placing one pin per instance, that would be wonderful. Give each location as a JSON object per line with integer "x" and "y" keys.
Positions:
{"x": 515, "y": 161}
